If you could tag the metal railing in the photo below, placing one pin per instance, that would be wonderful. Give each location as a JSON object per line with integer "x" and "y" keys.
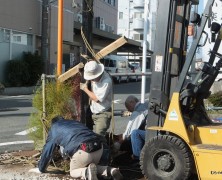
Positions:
{"x": 131, "y": 74}
{"x": 43, "y": 78}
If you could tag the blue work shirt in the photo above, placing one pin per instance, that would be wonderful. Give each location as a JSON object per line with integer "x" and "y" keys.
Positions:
{"x": 66, "y": 133}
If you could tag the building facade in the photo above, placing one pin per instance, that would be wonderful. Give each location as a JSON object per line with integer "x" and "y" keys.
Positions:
{"x": 21, "y": 22}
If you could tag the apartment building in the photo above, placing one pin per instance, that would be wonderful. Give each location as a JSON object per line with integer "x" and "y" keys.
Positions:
{"x": 131, "y": 23}
{"x": 131, "y": 19}
{"x": 21, "y": 22}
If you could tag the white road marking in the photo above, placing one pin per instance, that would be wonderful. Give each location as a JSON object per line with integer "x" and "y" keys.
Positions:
{"x": 22, "y": 133}
{"x": 117, "y": 101}
{"x": 16, "y": 142}
{"x": 12, "y": 97}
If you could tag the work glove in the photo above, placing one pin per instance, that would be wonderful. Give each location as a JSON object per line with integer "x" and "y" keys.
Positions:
{"x": 83, "y": 85}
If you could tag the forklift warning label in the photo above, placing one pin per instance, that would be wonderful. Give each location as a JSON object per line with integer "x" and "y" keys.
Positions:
{"x": 173, "y": 115}
{"x": 159, "y": 63}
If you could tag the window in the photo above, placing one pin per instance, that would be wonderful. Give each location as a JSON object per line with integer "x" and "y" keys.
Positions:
{"x": 29, "y": 40}
{"x": 4, "y": 35}
{"x": 138, "y": 15}
{"x": 122, "y": 64}
{"x": 21, "y": 38}
{"x": 112, "y": 63}
{"x": 17, "y": 39}
{"x": 138, "y": 36}
{"x": 120, "y": 15}
{"x": 113, "y": 2}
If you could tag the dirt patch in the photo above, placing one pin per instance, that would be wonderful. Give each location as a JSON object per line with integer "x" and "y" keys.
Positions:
{"x": 16, "y": 166}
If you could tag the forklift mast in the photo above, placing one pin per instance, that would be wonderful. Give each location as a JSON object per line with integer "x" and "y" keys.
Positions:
{"x": 169, "y": 56}
{"x": 171, "y": 62}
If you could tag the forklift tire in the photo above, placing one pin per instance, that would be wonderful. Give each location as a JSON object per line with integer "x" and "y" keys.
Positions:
{"x": 166, "y": 157}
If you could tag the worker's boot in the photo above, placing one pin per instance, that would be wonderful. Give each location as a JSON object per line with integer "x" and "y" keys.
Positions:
{"x": 91, "y": 172}
{"x": 114, "y": 173}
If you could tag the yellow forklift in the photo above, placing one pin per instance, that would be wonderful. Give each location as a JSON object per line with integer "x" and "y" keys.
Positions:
{"x": 181, "y": 140}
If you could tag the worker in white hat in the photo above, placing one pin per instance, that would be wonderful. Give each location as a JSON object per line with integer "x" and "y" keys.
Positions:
{"x": 100, "y": 95}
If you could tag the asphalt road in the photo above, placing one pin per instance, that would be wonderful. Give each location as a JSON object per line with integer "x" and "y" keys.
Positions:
{"x": 15, "y": 112}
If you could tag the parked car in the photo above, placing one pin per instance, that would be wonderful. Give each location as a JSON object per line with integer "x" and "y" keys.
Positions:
{"x": 135, "y": 68}
{"x": 116, "y": 64}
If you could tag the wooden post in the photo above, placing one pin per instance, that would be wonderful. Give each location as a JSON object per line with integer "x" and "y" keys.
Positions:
{"x": 87, "y": 30}
{"x": 71, "y": 72}
{"x": 111, "y": 47}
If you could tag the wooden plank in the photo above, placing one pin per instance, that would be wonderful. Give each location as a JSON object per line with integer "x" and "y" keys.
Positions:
{"x": 71, "y": 72}
{"x": 113, "y": 46}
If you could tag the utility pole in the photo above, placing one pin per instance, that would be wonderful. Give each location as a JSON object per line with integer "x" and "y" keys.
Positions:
{"x": 87, "y": 30}
{"x": 44, "y": 42}
{"x": 60, "y": 37}
{"x": 143, "y": 84}
{"x": 87, "y": 23}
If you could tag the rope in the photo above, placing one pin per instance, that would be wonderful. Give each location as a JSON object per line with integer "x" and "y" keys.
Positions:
{"x": 87, "y": 44}
{"x": 89, "y": 47}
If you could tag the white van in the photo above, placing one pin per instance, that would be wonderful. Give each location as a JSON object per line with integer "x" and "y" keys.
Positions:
{"x": 116, "y": 64}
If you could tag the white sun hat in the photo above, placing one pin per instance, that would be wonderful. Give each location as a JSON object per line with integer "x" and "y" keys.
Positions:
{"x": 92, "y": 70}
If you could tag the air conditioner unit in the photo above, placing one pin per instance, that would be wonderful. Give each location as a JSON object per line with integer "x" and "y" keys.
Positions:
{"x": 101, "y": 20}
{"x": 102, "y": 24}
{"x": 79, "y": 18}
{"x": 102, "y": 27}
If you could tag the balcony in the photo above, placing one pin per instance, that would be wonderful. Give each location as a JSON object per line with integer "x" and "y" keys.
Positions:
{"x": 138, "y": 3}
{"x": 138, "y": 24}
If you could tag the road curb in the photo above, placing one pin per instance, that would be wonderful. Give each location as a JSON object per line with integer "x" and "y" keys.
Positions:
{"x": 13, "y": 91}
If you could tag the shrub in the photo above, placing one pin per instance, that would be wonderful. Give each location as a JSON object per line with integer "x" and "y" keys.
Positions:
{"x": 25, "y": 71}
{"x": 2, "y": 88}
{"x": 59, "y": 102}
{"x": 216, "y": 99}
{"x": 35, "y": 67}
{"x": 17, "y": 73}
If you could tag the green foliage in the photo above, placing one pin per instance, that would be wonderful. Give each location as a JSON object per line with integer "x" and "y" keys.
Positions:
{"x": 2, "y": 88}
{"x": 17, "y": 73}
{"x": 216, "y": 99}
{"x": 25, "y": 71}
{"x": 59, "y": 102}
{"x": 35, "y": 66}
